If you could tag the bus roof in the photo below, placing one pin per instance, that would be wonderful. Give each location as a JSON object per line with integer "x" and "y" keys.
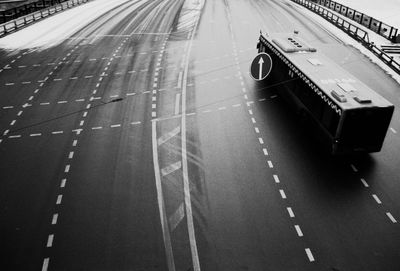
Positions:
{"x": 342, "y": 87}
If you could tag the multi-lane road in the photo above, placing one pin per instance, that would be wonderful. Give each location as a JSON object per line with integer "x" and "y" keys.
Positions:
{"x": 141, "y": 143}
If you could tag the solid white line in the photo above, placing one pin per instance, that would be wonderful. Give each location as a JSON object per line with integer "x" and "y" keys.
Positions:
{"x": 50, "y": 240}
{"x": 309, "y": 255}
{"x": 177, "y": 102}
{"x": 391, "y": 217}
{"x": 376, "y": 199}
{"x": 188, "y": 202}
{"x": 364, "y": 182}
{"x": 276, "y": 178}
{"x": 161, "y": 206}
{"x": 290, "y": 211}
{"x": 45, "y": 264}
{"x": 282, "y": 192}
{"x": 298, "y": 230}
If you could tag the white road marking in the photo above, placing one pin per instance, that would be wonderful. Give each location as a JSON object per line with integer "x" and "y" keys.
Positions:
{"x": 391, "y": 217}
{"x": 73, "y": 78}
{"x": 393, "y": 130}
{"x": 276, "y": 178}
{"x": 57, "y": 79}
{"x": 261, "y": 140}
{"x": 177, "y": 103}
{"x": 15, "y": 136}
{"x": 26, "y": 82}
{"x": 74, "y": 143}
{"x": 153, "y": 106}
{"x": 376, "y": 198}
{"x": 309, "y": 255}
{"x": 115, "y": 125}
{"x": 250, "y": 112}
{"x": 19, "y": 113}
{"x": 270, "y": 164}
{"x": 236, "y": 105}
{"x": 9, "y": 84}
{"x": 39, "y": 134}
{"x": 67, "y": 168}
{"x": 57, "y": 132}
{"x": 79, "y": 100}
{"x": 253, "y": 120}
{"x": 171, "y": 168}
{"x": 13, "y": 122}
{"x": 59, "y": 199}
{"x": 54, "y": 220}
{"x": 180, "y": 80}
{"x": 81, "y": 123}
{"x": 45, "y": 264}
{"x": 282, "y": 192}
{"x": 160, "y": 199}
{"x": 273, "y": 96}
{"x": 44, "y": 103}
{"x": 298, "y": 230}
{"x": 290, "y": 211}
{"x": 153, "y": 114}
{"x": 364, "y": 182}
{"x": 8, "y": 107}
{"x": 71, "y": 155}
{"x": 177, "y": 217}
{"x": 164, "y": 138}
{"x": 50, "y": 240}
{"x": 136, "y": 122}
{"x": 62, "y": 102}
{"x": 130, "y": 94}
{"x": 88, "y": 76}
{"x": 257, "y": 130}
{"x": 354, "y": 168}
{"x": 97, "y": 128}
{"x": 63, "y": 182}
{"x": 265, "y": 151}
{"x": 222, "y": 108}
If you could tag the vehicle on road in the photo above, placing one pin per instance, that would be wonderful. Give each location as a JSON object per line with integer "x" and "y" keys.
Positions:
{"x": 344, "y": 113}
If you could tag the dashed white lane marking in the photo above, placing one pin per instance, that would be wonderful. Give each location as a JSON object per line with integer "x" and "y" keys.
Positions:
{"x": 309, "y": 255}
{"x": 261, "y": 140}
{"x": 47, "y": 103}
{"x": 54, "y": 220}
{"x": 57, "y": 132}
{"x": 276, "y": 178}
{"x": 270, "y": 164}
{"x": 74, "y": 143}
{"x": 13, "y": 122}
{"x": 26, "y": 82}
{"x": 10, "y": 84}
{"x": 222, "y": 108}
{"x": 391, "y": 217}
{"x": 15, "y": 136}
{"x": 67, "y": 168}
{"x": 8, "y": 107}
{"x": 63, "y": 183}
{"x": 39, "y": 134}
{"x": 171, "y": 168}
{"x": 364, "y": 182}
{"x": 115, "y": 125}
{"x": 97, "y": 128}
{"x": 376, "y": 199}
{"x": 257, "y": 130}
{"x": 62, "y": 102}
{"x": 393, "y": 130}
{"x": 353, "y": 168}
{"x": 45, "y": 264}
{"x": 290, "y": 211}
{"x": 282, "y": 192}
{"x": 265, "y": 151}
{"x": 71, "y": 155}
{"x": 50, "y": 240}
{"x": 253, "y": 120}
{"x": 298, "y": 230}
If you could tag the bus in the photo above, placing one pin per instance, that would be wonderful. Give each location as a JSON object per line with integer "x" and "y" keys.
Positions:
{"x": 346, "y": 115}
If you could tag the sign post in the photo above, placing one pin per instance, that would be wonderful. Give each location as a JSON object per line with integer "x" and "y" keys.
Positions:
{"x": 261, "y": 66}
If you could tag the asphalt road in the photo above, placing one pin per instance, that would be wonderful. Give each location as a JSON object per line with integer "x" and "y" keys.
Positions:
{"x": 141, "y": 143}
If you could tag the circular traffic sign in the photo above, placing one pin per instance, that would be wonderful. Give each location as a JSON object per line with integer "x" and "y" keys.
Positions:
{"x": 261, "y": 66}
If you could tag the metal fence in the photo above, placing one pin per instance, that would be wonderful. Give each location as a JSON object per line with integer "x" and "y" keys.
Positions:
{"x": 389, "y": 32}
{"x": 21, "y": 22}
{"x": 352, "y": 30}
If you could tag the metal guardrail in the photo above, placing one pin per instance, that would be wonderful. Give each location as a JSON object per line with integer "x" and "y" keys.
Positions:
{"x": 14, "y": 25}
{"x": 389, "y": 32}
{"x": 352, "y": 30}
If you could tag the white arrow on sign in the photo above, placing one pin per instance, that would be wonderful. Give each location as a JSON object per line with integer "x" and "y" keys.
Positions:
{"x": 260, "y": 62}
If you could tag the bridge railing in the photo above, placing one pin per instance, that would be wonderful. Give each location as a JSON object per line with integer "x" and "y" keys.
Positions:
{"x": 389, "y": 32}
{"x": 352, "y": 30}
{"x": 14, "y": 25}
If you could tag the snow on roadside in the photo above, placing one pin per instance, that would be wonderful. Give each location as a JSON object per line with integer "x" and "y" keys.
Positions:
{"x": 387, "y": 11}
{"x": 55, "y": 29}
{"x": 337, "y": 32}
